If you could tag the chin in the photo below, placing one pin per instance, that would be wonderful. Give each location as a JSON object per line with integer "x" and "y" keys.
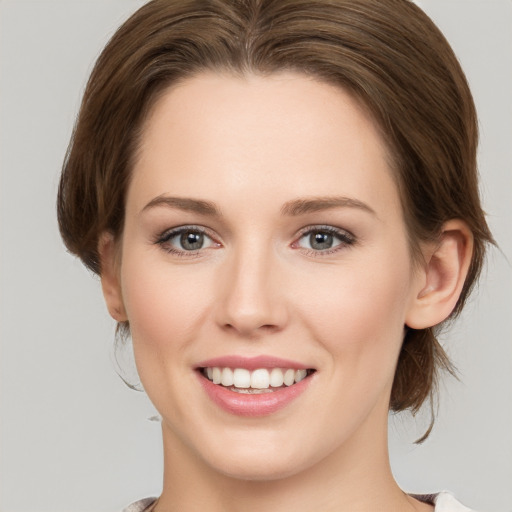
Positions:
{"x": 262, "y": 459}
{"x": 258, "y": 470}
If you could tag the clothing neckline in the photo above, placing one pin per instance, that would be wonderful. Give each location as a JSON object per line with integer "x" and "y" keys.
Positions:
{"x": 443, "y": 501}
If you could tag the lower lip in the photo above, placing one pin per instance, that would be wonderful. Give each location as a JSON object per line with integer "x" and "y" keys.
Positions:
{"x": 253, "y": 405}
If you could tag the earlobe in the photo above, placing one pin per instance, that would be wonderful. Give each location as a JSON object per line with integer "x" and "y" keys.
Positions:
{"x": 110, "y": 281}
{"x": 443, "y": 276}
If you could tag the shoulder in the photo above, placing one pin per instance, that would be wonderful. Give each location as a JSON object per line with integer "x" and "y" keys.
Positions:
{"x": 140, "y": 506}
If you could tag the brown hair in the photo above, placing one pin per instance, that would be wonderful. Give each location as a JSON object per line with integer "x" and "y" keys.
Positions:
{"x": 388, "y": 54}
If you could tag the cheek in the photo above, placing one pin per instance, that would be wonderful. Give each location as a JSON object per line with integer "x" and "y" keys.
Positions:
{"x": 359, "y": 309}
{"x": 165, "y": 308}
{"x": 162, "y": 306}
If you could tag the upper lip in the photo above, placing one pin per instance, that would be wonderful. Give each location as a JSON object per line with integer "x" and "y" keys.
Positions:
{"x": 251, "y": 363}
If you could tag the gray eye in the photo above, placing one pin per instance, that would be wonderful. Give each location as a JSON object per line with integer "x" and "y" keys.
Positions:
{"x": 186, "y": 240}
{"x": 320, "y": 240}
{"x": 191, "y": 240}
{"x": 323, "y": 239}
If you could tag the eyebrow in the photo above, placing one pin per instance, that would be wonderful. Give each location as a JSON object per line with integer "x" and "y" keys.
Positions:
{"x": 292, "y": 208}
{"x": 316, "y": 204}
{"x": 184, "y": 203}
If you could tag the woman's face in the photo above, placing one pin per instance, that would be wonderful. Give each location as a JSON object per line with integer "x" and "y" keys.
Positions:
{"x": 264, "y": 232}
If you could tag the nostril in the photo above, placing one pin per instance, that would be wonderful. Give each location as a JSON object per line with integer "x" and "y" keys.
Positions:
{"x": 269, "y": 327}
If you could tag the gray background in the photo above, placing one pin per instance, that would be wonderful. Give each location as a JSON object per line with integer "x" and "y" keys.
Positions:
{"x": 73, "y": 436}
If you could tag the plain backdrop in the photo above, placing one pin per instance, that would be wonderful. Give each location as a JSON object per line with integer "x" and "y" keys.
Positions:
{"x": 74, "y": 438}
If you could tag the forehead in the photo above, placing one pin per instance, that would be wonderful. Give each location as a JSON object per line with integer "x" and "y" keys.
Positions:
{"x": 288, "y": 133}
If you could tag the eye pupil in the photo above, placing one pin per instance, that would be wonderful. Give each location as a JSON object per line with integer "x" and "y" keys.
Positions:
{"x": 191, "y": 241}
{"x": 321, "y": 240}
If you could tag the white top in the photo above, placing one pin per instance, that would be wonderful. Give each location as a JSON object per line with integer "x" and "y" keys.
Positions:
{"x": 443, "y": 501}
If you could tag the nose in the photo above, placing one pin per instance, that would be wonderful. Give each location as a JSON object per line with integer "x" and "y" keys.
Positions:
{"x": 252, "y": 299}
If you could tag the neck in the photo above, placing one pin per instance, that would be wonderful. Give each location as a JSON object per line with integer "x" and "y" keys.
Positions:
{"x": 356, "y": 477}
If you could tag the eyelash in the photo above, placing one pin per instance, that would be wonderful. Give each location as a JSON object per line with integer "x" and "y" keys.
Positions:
{"x": 345, "y": 238}
{"x": 164, "y": 238}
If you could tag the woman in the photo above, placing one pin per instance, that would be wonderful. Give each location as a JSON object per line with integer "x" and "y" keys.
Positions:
{"x": 281, "y": 200}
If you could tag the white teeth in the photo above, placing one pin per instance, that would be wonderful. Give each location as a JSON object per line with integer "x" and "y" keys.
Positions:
{"x": 260, "y": 379}
{"x": 250, "y": 391}
{"x": 242, "y": 378}
{"x": 300, "y": 374}
{"x": 227, "y": 377}
{"x": 216, "y": 375}
{"x": 289, "y": 377}
{"x": 276, "y": 377}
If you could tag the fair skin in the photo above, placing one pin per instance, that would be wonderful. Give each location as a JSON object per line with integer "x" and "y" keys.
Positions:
{"x": 292, "y": 246}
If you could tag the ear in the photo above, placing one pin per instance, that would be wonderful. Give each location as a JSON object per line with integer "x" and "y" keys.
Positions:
{"x": 442, "y": 278}
{"x": 110, "y": 281}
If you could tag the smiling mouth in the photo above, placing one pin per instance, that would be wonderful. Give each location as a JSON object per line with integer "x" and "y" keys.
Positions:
{"x": 261, "y": 380}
